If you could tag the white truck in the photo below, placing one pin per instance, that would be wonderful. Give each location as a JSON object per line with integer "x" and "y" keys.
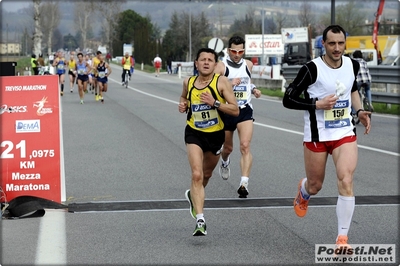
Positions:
{"x": 392, "y": 59}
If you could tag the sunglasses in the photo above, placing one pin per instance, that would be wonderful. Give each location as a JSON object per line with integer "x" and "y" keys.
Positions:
{"x": 238, "y": 52}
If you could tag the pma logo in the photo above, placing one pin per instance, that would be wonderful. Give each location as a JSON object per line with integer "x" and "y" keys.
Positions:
{"x": 27, "y": 126}
{"x": 289, "y": 35}
{"x": 41, "y": 110}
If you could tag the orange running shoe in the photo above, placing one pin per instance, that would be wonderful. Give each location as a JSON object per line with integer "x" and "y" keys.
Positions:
{"x": 300, "y": 204}
{"x": 342, "y": 246}
{"x": 342, "y": 241}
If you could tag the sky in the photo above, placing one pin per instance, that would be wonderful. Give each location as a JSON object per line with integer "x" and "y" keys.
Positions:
{"x": 12, "y": 5}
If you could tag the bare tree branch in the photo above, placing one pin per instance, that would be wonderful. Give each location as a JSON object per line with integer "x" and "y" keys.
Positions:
{"x": 50, "y": 20}
{"x": 37, "y": 35}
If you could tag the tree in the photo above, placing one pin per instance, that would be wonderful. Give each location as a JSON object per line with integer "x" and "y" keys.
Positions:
{"x": 37, "y": 35}
{"x": 136, "y": 30}
{"x": 176, "y": 39}
{"x": 306, "y": 17}
{"x": 83, "y": 14}
{"x": 347, "y": 15}
{"x": 50, "y": 14}
{"x": 109, "y": 11}
{"x": 247, "y": 25}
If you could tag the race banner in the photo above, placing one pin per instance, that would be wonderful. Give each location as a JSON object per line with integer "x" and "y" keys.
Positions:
{"x": 31, "y": 142}
{"x": 272, "y": 44}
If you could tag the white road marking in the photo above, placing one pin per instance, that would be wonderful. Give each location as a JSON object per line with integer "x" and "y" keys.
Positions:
{"x": 51, "y": 248}
{"x": 269, "y": 126}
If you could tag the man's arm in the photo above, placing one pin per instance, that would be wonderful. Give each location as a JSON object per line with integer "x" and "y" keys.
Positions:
{"x": 220, "y": 68}
{"x": 109, "y": 70}
{"x": 305, "y": 77}
{"x": 183, "y": 102}
{"x": 225, "y": 89}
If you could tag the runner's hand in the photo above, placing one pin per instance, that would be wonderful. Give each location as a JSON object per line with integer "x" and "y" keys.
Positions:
{"x": 182, "y": 107}
{"x": 327, "y": 103}
{"x": 364, "y": 117}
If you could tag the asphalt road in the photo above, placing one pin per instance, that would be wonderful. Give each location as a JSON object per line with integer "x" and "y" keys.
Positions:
{"x": 126, "y": 173}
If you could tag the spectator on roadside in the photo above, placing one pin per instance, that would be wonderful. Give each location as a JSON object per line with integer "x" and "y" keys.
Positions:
{"x": 169, "y": 64}
{"x": 363, "y": 77}
{"x": 157, "y": 64}
{"x": 34, "y": 65}
{"x": 41, "y": 60}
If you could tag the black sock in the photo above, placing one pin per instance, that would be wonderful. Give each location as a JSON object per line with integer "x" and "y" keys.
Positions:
{"x": 62, "y": 87}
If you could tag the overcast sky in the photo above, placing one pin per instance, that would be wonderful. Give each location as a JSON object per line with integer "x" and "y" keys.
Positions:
{"x": 13, "y": 5}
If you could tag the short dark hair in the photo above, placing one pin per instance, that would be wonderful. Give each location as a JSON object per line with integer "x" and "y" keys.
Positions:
{"x": 334, "y": 29}
{"x": 98, "y": 52}
{"x": 357, "y": 54}
{"x": 235, "y": 40}
{"x": 79, "y": 54}
{"x": 207, "y": 50}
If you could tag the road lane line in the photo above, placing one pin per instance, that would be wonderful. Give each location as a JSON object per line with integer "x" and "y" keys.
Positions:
{"x": 52, "y": 246}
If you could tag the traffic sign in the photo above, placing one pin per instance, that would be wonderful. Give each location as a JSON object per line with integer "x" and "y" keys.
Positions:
{"x": 216, "y": 44}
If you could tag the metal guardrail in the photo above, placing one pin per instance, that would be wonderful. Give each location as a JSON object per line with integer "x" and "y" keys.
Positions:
{"x": 379, "y": 74}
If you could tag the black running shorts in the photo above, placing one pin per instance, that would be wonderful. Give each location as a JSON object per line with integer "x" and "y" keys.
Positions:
{"x": 207, "y": 141}
{"x": 231, "y": 122}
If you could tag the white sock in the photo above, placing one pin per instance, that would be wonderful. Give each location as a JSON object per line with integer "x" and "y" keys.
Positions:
{"x": 200, "y": 216}
{"x": 244, "y": 179}
{"x": 344, "y": 212}
{"x": 303, "y": 190}
{"x": 225, "y": 163}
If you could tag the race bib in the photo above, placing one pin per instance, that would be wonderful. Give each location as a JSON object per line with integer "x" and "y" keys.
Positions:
{"x": 60, "y": 66}
{"x": 204, "y": 115}
{"x": 81, "y": 71}
{"x": 240, "y": 92}
{"x": 338, "y": 116}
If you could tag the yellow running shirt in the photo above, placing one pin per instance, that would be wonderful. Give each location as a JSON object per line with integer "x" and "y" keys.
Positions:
{"x": 201, "y": 116}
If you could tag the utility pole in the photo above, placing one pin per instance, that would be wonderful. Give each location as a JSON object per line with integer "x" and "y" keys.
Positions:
{"x": 190, "y": 31}
{"x": 262, "y": 32}
{"x": 332, "y": 12}
{"x": 7, "y": 40}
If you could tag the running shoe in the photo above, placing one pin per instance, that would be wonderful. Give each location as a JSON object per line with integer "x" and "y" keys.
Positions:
{"x": 61, "y": 93}
{"x": 300, "y": 204}
{"x": 224, "y": 171}
{"x": 72, "y": 90}
{"x": 200, "y": 229}
{"x": 242, "y": 190}
{"x": 81, "y": 101}
{"x": 342, "y": 245}
{"x": 191, "y": 208}
{"x": 102, "y": 99}
{"x": 96, "y": 97}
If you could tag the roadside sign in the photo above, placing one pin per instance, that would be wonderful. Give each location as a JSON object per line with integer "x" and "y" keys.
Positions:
{"x": 31, "y": 154}
{"x": 293, "y": 35}
{"x": 272, "y": 44}
{"x": 216, "y": 44}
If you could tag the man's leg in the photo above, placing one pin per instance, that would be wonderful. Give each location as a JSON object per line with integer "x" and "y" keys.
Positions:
{"x": 196, "y": 195}
{"x": 245, "y": 133}
{"x": 345, "y": 159}
{"x": 315, "y": 163}
{"x": 227, "y": 148}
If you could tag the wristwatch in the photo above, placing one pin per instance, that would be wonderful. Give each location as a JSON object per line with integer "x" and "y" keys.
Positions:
{"x": 217, "y": 104}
